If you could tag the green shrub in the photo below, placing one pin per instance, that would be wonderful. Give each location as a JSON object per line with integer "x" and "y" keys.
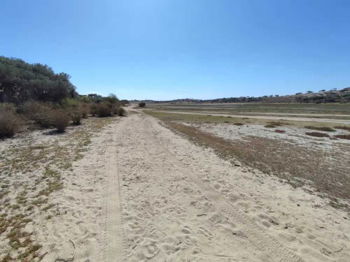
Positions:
{"x": 10, "y": 123}
{"x": 142, "y": 104}
{"x": 60, "y": 120}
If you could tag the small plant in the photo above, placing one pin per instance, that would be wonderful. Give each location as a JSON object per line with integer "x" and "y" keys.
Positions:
{"x": 321, "y": 128}
{"x": 317, "y": 134}
{"x": 60, "y": 120}
{"x": 238, "y": 124}
{"x": 10, "y": 123}
{"x": 142, "y": 104}
{"x": 280, "y": 131}
{"x": 343, "y": 137}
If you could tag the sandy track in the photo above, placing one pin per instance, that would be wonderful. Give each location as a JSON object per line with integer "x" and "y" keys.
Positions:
{"x": 181, "y": 202}
{"x": 171, "y": 213}
{"x": 144, "y": 193}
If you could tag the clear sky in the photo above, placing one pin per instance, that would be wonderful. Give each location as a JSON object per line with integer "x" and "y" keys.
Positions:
{"x": 166, "y": 49}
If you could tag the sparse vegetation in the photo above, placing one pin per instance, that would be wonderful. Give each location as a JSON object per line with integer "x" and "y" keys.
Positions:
{"x": 321, "y": 128}
{"x": 280, "y": 131}
{"x": 317, "y": 134}
{"x": 343, "y": 136}
{"x": 347, "y": 128}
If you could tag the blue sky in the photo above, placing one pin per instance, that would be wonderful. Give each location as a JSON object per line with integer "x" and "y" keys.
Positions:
{"x": 166, "y": 49}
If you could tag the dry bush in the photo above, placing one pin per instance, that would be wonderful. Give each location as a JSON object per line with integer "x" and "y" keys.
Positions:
{"x": 85, "y": 109}
{"x": 40, "y": 113}
{"x": 60, "y": 120}
{"x": 238, "y": 124}
{"x": 347, "y": 128}
{"x": 317, "y": 134}
{"x": 10, "y": 123}
{"x": 103, "y": 110}
{"x": 121, "y": 111}
{"x": 343, "y": 136}
{"x": 93, "y": 109}
{"x": 321, "y": 128}
{"x": 280, "y": 131}
{"x": 76, "y": 117}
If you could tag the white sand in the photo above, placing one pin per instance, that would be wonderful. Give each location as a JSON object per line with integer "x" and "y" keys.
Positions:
{"x": 143, "y": 193}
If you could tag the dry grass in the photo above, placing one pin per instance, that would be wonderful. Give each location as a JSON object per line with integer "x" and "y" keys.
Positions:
{"x": 235, "y": 120}
{"x": 321, "y": 128}
{"x": 317, "y": 134}
{"x": 271, "y": 156}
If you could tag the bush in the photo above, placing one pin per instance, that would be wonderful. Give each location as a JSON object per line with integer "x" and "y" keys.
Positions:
{"x": 10, "y": 123}
{"x": 142, "y": 104}
{"x": 76, "y": 117}
{"x": 103, "y": 110}
{"x": 40, "y": 113}
{"x": 93, "y": 109}
{"x": 85, "y": 109}
{"x": 60, "y": 120}
{"x": 121, "y": 112}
